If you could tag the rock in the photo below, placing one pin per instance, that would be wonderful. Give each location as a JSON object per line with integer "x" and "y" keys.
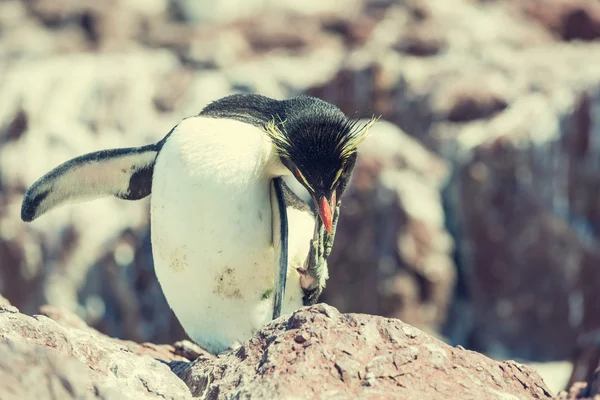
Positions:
{"x": 425, "y": 70}
{"x": 577, "y": 391}
{"x": 28, "y": 372}
{"x": 589, "y": 390}
{"x": 315, "y": 352}
{"x": 189, "y": 350}
{"x": 567, "y": 19}
{"x": 94, "y": 258}
{"x": 109, "y": 26}
{"x": 555, "y": 374}
{"x": 525, "y": 202}
{"x": 392, "y": 249}
{"x": 354, "y": 356}
{"x": 586, "y": 359}
{"x": 506, "y": 104}
{"x": 230, "y": 10}
{"x": 42, "y": 359}
{"x": 517, "y": 128}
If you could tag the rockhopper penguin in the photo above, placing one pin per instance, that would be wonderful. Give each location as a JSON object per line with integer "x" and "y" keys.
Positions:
{"x": 227, "y": 233}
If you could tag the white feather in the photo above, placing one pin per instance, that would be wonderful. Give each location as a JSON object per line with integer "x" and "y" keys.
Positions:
{"x": 212, "y": 230}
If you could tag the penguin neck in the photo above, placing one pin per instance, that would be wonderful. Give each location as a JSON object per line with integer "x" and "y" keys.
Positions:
{"x": 274, "y": 167}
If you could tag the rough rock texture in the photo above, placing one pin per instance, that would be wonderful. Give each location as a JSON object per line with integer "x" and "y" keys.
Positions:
{"x": 589, "y": 390}
{"x": 36, "y": 373}
{"x": 586, "y": 361}
{"x": 392, "y": 249}
{"x": 524, "y": 203}
{"x": 426, "y": 70}
{"x": 318, "y": 353}
{"x": 92, "y": 258}
{"x": 95, "y": 258}
{"x": 532, "y": 250}
{"x": 514, "y": 113}
{"x": 41, "y": 358}
{"x": 567, "y": 19}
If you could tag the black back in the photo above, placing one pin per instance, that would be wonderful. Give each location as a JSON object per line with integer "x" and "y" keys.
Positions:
{"x": 252, "y": 109}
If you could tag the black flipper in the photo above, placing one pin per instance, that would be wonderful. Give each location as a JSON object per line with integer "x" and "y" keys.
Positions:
{"x": 280, "y": 215}
{"x": 123, "y": 173}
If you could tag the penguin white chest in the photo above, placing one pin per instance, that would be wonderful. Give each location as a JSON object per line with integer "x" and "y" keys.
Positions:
{"x": 212, "y": 230}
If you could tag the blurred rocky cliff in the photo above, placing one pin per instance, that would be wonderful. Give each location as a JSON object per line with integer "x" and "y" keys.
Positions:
{"x": 474, "y": 207}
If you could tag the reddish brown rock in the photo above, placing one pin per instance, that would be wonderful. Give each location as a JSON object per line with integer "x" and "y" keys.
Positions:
{"x": 392, "y": 251}
{"x": 515, "y": 115}
{"x": 583, "y": 390}
{"x": 314, "y": 353}
{"x": 527, "y": 268}
{"x": 355, "y": 356}
{"x": 567, "y": 19}
{"x": 95, "y": 259}
{"x": 44, "y": 359}
{"x": 525, "y": 203}
{"x": 36, "y": 373}
{"x": 457, "y": 87}
{"x": 92, "y": 259}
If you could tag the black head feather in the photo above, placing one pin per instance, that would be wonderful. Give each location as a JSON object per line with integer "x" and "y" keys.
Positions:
{"x": 314, "y": 136}
{"x": 315, "y": 140}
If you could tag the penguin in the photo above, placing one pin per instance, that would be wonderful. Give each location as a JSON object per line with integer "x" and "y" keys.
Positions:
{"x": 222, "y": 218}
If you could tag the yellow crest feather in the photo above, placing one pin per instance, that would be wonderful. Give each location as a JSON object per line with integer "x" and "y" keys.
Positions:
{"x": 356, "y": 137}
{"x": 280, "y": 141}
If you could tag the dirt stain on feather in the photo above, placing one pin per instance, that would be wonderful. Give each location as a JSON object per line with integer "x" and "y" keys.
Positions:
{"x": 227, "y": 285}
{"x": 178, "y": 261}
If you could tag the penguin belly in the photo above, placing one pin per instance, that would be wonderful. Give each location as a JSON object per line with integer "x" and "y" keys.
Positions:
{"x": 211, "y": 230}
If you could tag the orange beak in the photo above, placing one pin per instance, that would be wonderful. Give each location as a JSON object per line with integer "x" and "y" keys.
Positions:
{"x": 325, "y": 208}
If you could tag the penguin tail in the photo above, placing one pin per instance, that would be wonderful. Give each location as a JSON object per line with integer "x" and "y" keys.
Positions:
{"x": 123, "y": 173}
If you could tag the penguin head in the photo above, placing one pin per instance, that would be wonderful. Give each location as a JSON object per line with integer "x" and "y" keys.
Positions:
{"x": 313, "y": 138}
{"x": 318, "y": 144}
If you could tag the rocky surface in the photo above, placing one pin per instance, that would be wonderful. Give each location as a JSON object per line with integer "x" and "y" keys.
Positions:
{"x": 393, "y": 222}
{"x": 528, "y": 236}
{"x": 513, "y": 112}
{"x": 568, "y": 20}
{"x": 93, "y": 258}
{"x": 123, "y": 88}
{"x": 589, "y": 390}
{"x": 501, "y": 208}
{"x": 316, "y": 352}
{"x": 36, "y": 373}
{"x": 42, "y": 358}
{"x": 320, "y": 353}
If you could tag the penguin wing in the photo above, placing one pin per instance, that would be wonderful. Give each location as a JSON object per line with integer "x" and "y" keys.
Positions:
{"x": 280, "y": 241}
{"x": 293, "y": 232}
{"x": 123, "y": 173}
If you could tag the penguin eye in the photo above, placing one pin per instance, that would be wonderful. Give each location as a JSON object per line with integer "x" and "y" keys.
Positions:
{"x": 301, "y": 178}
